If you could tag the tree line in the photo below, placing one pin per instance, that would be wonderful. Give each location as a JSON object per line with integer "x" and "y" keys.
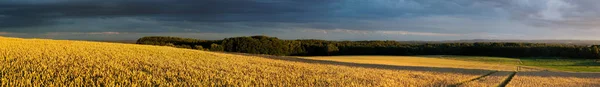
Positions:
{"x": 212, "y": 45}
{"x": 313, "y": 47}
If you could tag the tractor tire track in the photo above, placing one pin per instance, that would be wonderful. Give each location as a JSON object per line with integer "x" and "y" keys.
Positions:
{"x": 463, "y": 82}
{"x": 507, "y": 80}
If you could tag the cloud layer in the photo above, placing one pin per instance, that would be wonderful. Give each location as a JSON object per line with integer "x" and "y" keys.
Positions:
{"x": 350, "y": 19}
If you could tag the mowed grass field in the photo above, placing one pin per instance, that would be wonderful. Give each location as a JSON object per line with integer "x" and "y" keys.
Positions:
{"x": 42, "y": 62}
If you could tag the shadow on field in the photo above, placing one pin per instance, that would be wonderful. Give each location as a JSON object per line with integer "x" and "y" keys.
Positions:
{"x": 378, "y": 66}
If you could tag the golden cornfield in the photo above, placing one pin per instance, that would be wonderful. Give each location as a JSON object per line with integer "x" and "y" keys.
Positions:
{"x": 41, "y": 62}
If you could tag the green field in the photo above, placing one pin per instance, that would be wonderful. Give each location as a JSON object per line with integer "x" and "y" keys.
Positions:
{"x": 568, "y": 65}
{"x": 573, "y": 65}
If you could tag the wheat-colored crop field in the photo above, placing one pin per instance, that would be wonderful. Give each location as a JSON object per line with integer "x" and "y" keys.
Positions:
{"x": 526, "y": 77}
{"x": 489, "y": 81}
{"x": 43, "y": 62}
{"x": 416, "y": 61}
{"x": 555, "y": 79}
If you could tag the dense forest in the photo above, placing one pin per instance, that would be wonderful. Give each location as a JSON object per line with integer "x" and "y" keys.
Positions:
{"x": 311, "y": 47}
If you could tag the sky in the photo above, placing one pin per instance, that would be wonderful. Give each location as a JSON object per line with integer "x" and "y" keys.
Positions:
{"x": 427, "y": 20}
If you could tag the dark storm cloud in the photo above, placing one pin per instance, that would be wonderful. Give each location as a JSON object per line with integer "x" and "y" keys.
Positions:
{"x": 146, "y": 7}
{"x": 12, "y": 22}
{"x": 31, "y": 13}
{"x": 36, "y": 14}
{"x": 419, "y": 17}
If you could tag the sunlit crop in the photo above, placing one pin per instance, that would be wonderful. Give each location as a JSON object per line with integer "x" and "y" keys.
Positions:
{"x": 488, "y": 81}
{"x": 40, "y": 62}
{"x": 416, "y": 61}
{"x": 547, "y": 79}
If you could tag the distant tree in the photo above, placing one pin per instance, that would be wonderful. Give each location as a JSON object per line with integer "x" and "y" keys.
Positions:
{"x": 332, "y": 49}
{"x": 311, "y": 47}
{"x": 257, "y": 45}
{"x": 595, "y": 51}
{"x": 170, "y": 44}
{"x": 216, "y": 47}
{"x": 199, "y": 47}
{"x": 184, "y": 46}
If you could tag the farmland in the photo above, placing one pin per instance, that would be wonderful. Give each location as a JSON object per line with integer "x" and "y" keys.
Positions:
{"x": 475, "y": 62}
{"x": 534, "y": 72}
{"x": 553, "y": 64}
{"x": 41, "y": 62}
{"x": 555, "y": 79}
{"x": 416, "y": 61}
